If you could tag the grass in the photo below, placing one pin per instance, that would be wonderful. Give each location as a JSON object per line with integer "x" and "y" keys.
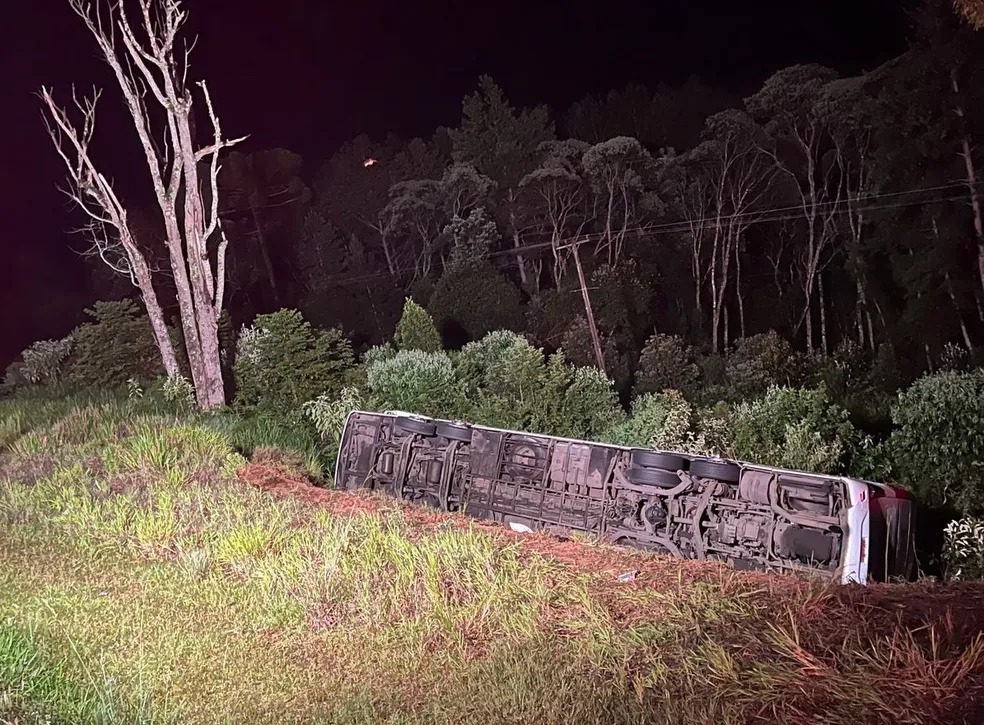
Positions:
{"x": 142, "y": 581}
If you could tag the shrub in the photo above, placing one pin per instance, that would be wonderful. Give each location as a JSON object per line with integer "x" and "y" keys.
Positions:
{"x": 758, "y": 363}
{"x": 377, "y": 353}
{"x": 794, "y": 428}
{"x": 415, "y": 381}
{"x": 478, "y": 298}
{"x": 590, "y": 405}
{"x": 667, "y": 362}
{"x": 44, "y": 361}
{"x": 938, "y": 440}
{"x": 329, "y": 414}
{"x": 667, "y": 421}
{"x": 282, "y": 362}
{"x": 665, "y": 415}
{"x": 963, "y": 548}
{"x": 511, "y": 384}
{"x": 416, "y": 329}
{"x": 503, "y": 377}
{"x": 13, "y": 378}
{"x": 117, "y": 346}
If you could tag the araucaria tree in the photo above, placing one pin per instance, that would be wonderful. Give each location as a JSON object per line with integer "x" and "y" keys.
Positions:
{"x": 152, "y": 73}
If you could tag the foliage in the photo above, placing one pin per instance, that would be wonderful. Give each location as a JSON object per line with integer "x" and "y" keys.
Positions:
{"x": 377, "y": 353}
{"x": 795, "y": 428}
{"x": 478, "y": 298}
{"x": 665, "y": 415}
{"x": 472, "y": 238}
{"x": 963, "y": 548}
{"x": 179, "y": 391}
{"x": 13, "y": 378}
{"x": 667, "y": 362}
{"x": 590, "y": 405}
{"x": 938, "y": 439}
{"x": 578, "y": 346}
{"x": 329, "y": 414}
{"x": 44, "y": 361}
{"x": 416, "y": 329}
{"x": 667, "y": 421}
{"x": 414, "y": 381}
{"x": 118, "y": 345}
{"x": 507, "y": 382}
{"x": 282, "y": 362}
{"x": 757, "y": 363}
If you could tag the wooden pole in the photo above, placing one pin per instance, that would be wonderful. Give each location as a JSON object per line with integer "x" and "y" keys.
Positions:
{"x": 595, "y": 339}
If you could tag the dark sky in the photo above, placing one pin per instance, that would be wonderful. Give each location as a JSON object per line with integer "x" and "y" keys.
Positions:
{"x": 308, "y": 74}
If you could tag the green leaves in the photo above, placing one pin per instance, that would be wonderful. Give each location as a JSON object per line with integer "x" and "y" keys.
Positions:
{"x": 938, "y": 441}
{"x": 282, "y": 362}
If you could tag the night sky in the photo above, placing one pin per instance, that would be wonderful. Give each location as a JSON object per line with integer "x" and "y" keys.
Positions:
{"x": 309, "y": 74}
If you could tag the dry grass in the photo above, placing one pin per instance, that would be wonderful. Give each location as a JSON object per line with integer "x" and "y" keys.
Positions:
{"x": 142, "y": 578}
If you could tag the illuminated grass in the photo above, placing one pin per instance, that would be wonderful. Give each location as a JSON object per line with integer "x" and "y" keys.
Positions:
{"x": 140, "y": 582}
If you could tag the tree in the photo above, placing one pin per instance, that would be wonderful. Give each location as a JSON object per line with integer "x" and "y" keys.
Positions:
{"x": 555, "y": 196}
{"x": 255, "y": 190}
{"x": 787, "y": 104}
{"x": 152, "y": 69}
{"x": 719, "y": 188}
{"x": 416, "y": 329}
{"x": 618, "y": 170}
{"x": 501, "y": 143}
{"x": 972, "y": 10}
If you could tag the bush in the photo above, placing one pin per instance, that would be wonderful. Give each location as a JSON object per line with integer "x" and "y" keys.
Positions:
{"x": 963, "y": 548}
{"x": 667, "y": 362}
{"x": 44, "y": 361}
{"x": 415, "y": 381}
{"x": 282, "y": 362}
{"x": 667, "y": 421}
{"x": 794, "y": 428}
{"x": 590, "y": 405}
{"x": 508, "y": 383}
{"x": 416, "y": 329}
{"x": 117, "y": 346}
{"x": 13, "y": 378}
{"x": 938, "y": 440}
{"x": 758, "y": 363}
{"x": 665, "y": 415}
{"x": 478, "y": 298}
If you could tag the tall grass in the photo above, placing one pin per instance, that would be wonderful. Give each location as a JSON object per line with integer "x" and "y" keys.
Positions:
{"x": 137, "y": 553}
{"x": 37, "y": 685}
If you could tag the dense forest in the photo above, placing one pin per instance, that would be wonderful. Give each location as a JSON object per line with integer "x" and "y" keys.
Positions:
{"x": 824, "y": 233}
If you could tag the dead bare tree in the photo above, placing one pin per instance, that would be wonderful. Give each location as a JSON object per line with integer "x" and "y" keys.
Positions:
{"x": 153, "y": 73}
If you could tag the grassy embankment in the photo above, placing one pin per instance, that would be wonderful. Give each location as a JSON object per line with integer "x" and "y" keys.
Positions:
{"x": 143, "y": 579}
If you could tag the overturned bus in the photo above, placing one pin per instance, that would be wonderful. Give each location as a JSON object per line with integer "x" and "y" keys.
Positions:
{"x": 752, "y": 516}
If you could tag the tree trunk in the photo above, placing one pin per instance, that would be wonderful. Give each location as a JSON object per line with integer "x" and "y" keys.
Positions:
{"x": 211, "y": 392}
{"x": 809, "y": 323}
{"x": 741, "y": 301}
{"x": 825, "y": 347}
{"x": 264, "y": 252}
{"x": 971, "y": 178}
{"x": 157, "y": 323}
{"x": 953, "y": 298}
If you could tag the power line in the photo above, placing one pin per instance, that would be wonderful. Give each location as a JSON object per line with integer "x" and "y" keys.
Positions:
{"x": 681, "y": 226}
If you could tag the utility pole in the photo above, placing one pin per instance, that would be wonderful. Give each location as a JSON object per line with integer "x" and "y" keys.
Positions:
{"x": 595, "y": 339}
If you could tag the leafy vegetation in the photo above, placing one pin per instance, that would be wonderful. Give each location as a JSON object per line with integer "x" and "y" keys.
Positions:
{"x": 232, "y": 600}
{"x": 282, "y": 362}
{"x": 116, "y": 346}
{"x": 416, "y": 330}
{"x": 794, "y": 428}
{"x": 938, "y": 439}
